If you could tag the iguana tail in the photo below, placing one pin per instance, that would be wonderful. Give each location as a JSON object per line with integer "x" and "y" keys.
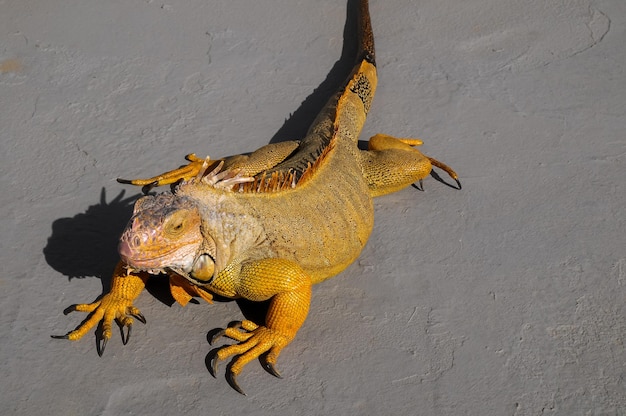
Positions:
{"x": 365, "y": 34}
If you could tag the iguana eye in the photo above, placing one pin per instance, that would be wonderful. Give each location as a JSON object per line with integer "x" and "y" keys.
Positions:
{"x": 177, "y": 223}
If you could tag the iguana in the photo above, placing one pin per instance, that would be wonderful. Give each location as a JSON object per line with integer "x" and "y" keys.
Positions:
{"x": 265, "y": 226}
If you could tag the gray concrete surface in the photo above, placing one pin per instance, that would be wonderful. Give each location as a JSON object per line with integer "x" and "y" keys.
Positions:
{"x": 505, "y": 298}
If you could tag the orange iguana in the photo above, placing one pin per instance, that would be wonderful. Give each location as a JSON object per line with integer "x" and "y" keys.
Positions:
{"x": 264, "y": 226}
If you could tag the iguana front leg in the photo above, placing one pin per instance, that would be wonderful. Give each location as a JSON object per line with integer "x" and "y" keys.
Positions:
{"x": 117, "y": 304}
{"x": 261, "y": 159}
{"x": 289, "y": 289}
{"x": 185, "y": 172}
{"x": 391, "y": 164}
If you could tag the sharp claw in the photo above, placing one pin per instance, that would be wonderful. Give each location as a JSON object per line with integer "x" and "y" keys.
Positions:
{"x": 147, "y": 188}
{"x": 419, "y": 186}
{"x": 60, "y": 336}
{"x": 100, "y": 345}
{"x": 140, "y": 318}
{"x": 217, "y": 336}
{"x": 458, "y": 183}
{"x": 69, "y": 309}
{"x": 126, "y": 337}
{"x": 269, "y": 367}
{"x": 231, "y": 378}
{"x": 213, "y": 364}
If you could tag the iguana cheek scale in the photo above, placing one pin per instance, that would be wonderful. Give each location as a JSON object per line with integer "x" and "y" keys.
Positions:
{"x": 265, "y": 225}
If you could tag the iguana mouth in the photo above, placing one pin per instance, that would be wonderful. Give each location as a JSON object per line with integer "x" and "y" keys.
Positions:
{"x": 155, "y": 264}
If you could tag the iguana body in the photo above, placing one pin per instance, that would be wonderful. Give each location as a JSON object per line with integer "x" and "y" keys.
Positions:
{"x": 265, "y": 226}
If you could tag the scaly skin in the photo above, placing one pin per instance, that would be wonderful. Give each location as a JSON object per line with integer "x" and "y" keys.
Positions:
{"x": 268, "y": 225}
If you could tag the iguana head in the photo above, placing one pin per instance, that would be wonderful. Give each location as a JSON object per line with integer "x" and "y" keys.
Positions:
{"x": 164, "y": 234}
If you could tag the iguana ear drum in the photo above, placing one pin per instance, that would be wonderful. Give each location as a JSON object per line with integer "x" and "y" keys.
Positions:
{"x": 203, "y": 268}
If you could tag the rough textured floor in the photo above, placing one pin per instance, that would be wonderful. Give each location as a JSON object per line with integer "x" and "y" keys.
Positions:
{"x": 505, "y": 298}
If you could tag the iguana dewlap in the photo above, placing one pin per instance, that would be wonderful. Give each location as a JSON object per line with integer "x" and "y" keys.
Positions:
{"x": 265, "y": 226}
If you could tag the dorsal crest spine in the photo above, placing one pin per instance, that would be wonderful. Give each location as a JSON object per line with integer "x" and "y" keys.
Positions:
{"x": 283, "y": 180}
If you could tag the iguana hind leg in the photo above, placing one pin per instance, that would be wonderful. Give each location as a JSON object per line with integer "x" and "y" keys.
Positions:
{"x": 391, "y": 164}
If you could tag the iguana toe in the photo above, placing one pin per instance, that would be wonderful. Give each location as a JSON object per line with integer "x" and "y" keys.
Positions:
{"x": 446, "y": 169}
{"x": 234, "y": 326}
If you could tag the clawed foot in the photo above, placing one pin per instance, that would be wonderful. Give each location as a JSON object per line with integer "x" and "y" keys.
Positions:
{"x": 117, "y": 304}
{"x": 106, "y": 310}
{"x": 184, "y": 173}
{"x": 254, "y": 341}
{"x": 434, "y": 162}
